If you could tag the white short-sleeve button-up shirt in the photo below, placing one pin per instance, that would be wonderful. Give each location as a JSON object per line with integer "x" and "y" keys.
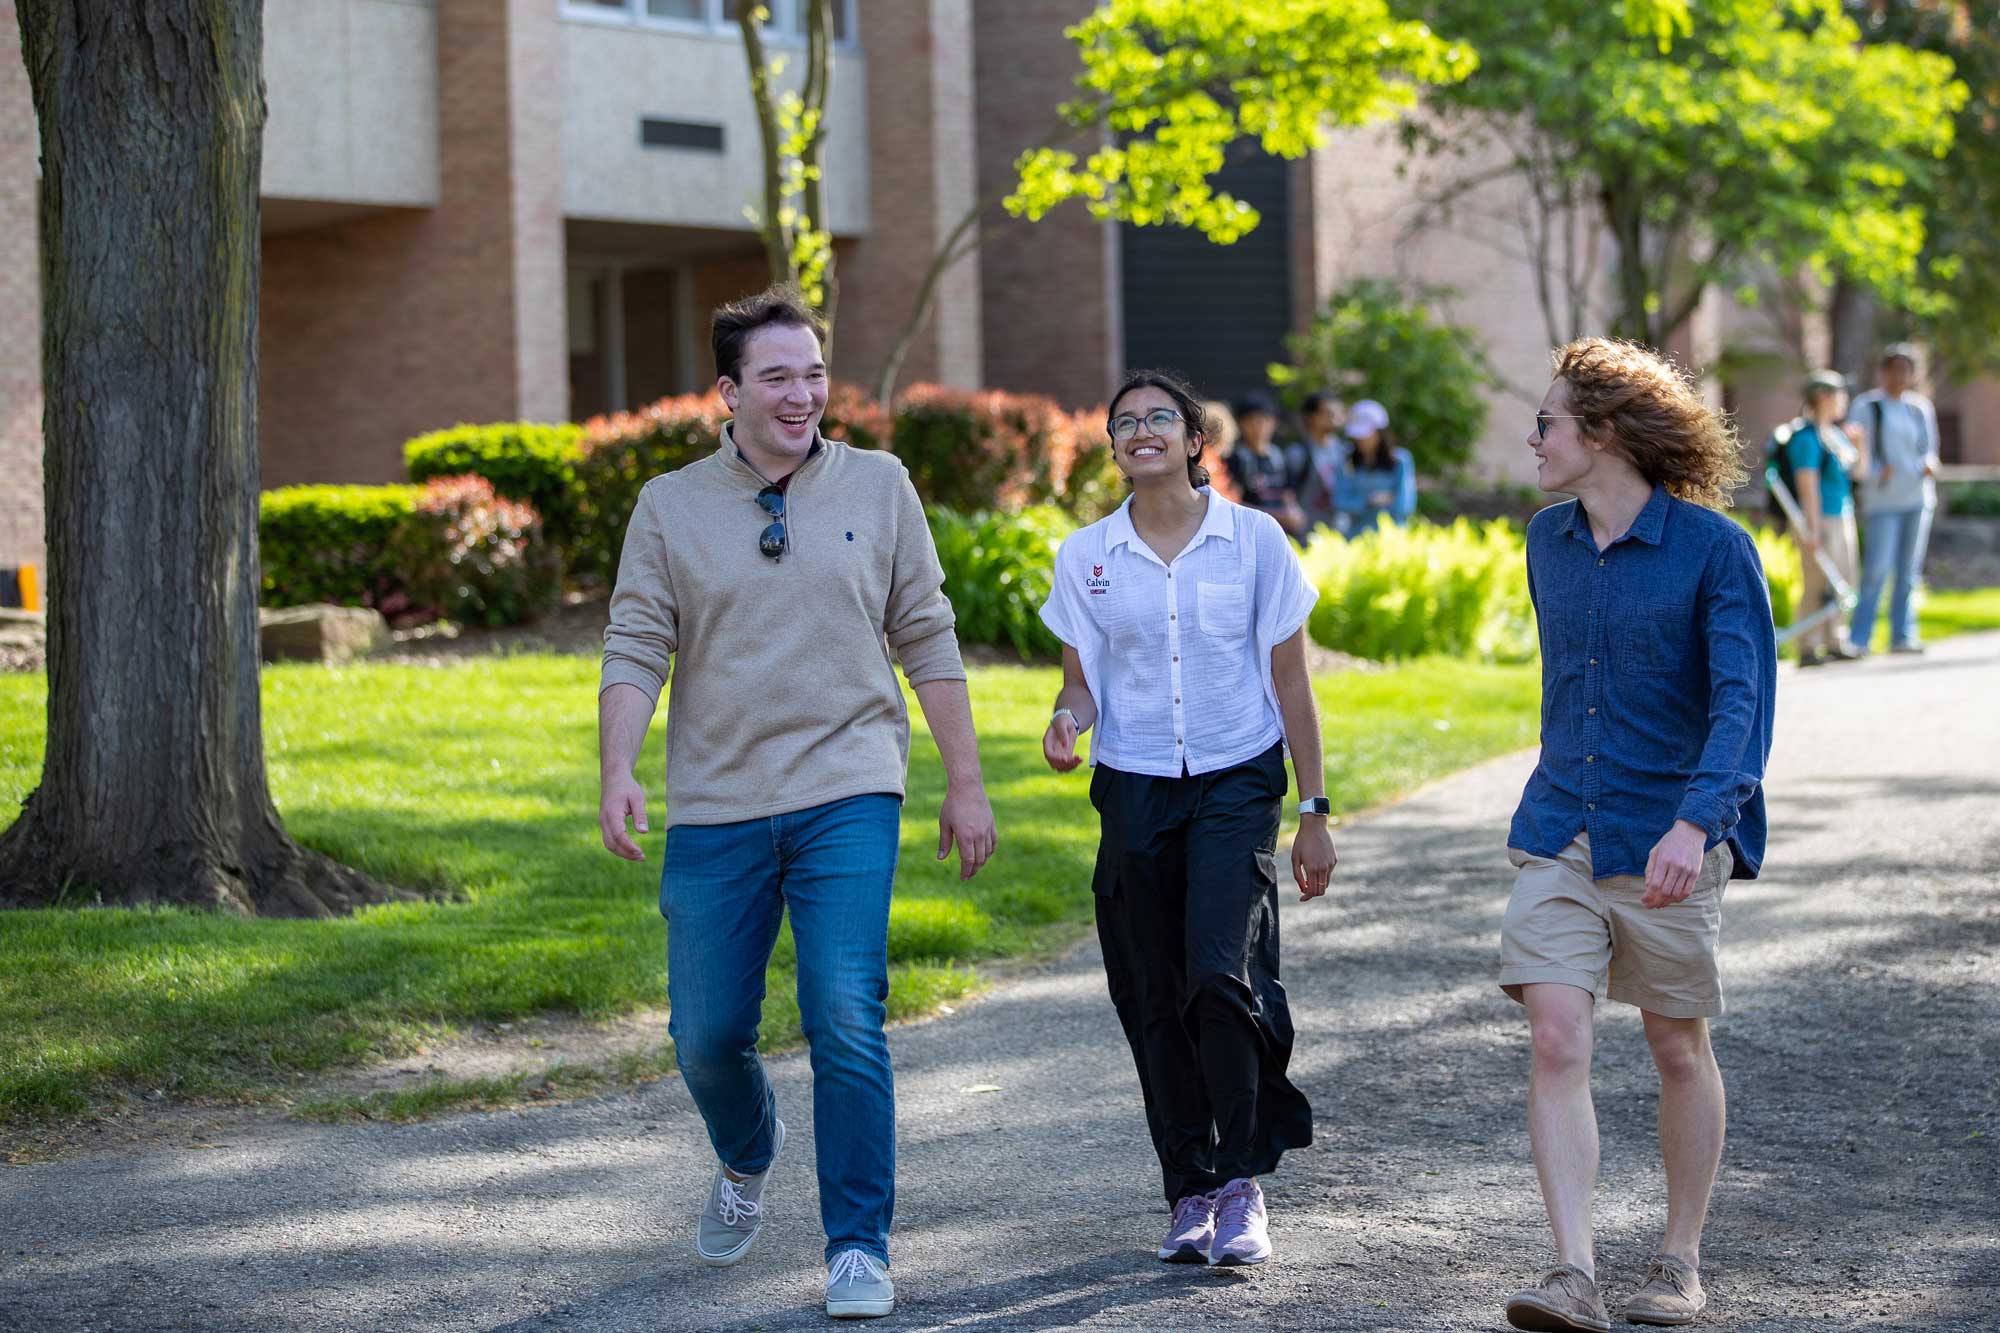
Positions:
{"x": 1178, "y": 655}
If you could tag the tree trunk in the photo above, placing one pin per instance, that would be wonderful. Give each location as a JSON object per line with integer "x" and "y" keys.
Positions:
{"x": 1853, "y": 315}
{"x": 777, "y": 237}
{"x": 1631, "y": 318}
{"x": 153, "y": 785}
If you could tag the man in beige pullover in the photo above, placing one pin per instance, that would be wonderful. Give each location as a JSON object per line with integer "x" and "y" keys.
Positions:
{"x": 783, "y": 572}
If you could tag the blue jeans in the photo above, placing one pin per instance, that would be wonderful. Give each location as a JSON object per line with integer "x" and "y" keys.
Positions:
{"x": 722, "y": 890}
{"x": 1890, "y": 541}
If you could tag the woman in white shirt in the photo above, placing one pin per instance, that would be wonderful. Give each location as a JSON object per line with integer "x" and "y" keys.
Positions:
{"x": 1182, "y": 618}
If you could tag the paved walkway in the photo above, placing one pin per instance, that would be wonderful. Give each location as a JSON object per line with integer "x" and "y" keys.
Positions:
{"x": 1861, "y": 1187}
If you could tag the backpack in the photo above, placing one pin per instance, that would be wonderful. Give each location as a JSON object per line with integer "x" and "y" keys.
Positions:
{"x": 1778, "y": 468}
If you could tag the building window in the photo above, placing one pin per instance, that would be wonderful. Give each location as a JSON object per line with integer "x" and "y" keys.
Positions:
{"x": 787, "y": 24}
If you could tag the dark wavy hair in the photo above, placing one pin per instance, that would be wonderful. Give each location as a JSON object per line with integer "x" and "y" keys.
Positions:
{"x": 731, "y": 325}
{"x": 1633, "y": 398}
{"x": 1186, "y": 402}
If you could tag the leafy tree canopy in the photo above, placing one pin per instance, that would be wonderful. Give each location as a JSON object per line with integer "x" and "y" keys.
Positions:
{"x": 1718, "y": 136}
{"x": 1171, "y": 84}
{"x": 1961, "y": 255}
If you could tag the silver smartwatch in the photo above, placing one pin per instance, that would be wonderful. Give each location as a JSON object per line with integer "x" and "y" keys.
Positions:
{"x": 1315, "y": 805}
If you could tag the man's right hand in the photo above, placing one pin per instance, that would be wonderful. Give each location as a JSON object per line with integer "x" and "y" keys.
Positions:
{"x": 622, "y": 798}
{"x": 1059, "y": 743}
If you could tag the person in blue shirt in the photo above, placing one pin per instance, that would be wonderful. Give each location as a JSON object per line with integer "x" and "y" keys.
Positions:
{"x": 1376, "y": 476}
{"x": 1658, "y": 662}
{"x": 1821, "y": 457}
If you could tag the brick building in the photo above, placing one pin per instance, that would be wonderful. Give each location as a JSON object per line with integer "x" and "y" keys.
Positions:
{"x": 491, "y": 209}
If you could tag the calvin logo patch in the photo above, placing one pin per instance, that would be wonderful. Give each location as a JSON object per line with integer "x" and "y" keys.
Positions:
{"x": 1097, "y": 583}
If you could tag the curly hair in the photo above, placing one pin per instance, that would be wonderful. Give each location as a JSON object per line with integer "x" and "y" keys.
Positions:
{"x": 1631, "y": 397}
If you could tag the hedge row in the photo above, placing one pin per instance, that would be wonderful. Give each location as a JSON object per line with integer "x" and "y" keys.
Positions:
{"x": 450, "y": 547}
{"x": 1458, "y": 590}
{"x": 574, "y": 488}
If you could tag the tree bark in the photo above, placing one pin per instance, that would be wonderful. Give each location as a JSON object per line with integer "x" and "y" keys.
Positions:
{"x": 819, "y": 77}
{"x": 777, "y": 237}
{"x": 1854, "y": 316}
{"x": 153, "y": 784}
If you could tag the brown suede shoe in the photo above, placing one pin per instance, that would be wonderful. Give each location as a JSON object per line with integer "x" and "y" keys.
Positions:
{"x": 1565, "y": 1299}
{"x": 1672, "y": 1294}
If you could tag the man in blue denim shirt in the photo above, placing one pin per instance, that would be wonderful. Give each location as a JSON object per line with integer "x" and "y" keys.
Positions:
{"x": 1658, "y": 663}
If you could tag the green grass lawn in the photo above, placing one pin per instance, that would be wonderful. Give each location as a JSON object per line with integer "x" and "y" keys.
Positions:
{"x": 1943, "y": 614}
{"x": 481, "y": 778}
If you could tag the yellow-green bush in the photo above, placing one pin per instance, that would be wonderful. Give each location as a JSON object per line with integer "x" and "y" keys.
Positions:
{"x": 1399, "y": 592}
{"x": 1782, "y": 571}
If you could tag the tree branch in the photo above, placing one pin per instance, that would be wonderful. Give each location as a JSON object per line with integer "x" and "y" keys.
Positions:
{"x": 777, "y": 242}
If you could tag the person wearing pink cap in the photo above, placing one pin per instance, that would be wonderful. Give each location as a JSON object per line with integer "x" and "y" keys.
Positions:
{"x": 1376, "y": 475}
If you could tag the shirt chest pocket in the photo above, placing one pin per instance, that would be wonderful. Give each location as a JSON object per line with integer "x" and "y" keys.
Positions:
{"x": 1658, "y": 640}
{"x": 1224, "y": 609}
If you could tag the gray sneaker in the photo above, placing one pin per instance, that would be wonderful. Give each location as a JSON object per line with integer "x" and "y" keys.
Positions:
{"x": 858, "y": 1286}
{"x": 1564, "y": 1300}
{"x": 734, "y": 1213}
{"x": 1672, "y": 1294}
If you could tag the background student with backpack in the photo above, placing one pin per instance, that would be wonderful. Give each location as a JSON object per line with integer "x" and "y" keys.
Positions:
{"x": 1816, "y": 458}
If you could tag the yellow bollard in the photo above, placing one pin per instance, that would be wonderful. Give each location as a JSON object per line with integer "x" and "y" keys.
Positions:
{"x": 31, "y": 588}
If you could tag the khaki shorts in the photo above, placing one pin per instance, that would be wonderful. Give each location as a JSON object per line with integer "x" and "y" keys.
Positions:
{"x": 1563, "y": 926}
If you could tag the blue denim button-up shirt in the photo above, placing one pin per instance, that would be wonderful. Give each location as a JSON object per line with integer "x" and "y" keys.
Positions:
{"x": 1658, "y": 684}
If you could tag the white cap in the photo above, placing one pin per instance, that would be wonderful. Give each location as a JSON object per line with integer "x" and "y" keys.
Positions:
{"x": 1365, "y": 418}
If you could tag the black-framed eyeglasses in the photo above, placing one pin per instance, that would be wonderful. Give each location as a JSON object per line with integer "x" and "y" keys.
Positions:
{"x": 1542, "y": 420}
{"x": 773, "y": 541}
{"x": 1158, "y": 421}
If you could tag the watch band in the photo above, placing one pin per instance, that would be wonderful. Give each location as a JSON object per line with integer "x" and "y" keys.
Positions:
{"x": 1060, "y": 712}
{"x": 1315, "y": 805}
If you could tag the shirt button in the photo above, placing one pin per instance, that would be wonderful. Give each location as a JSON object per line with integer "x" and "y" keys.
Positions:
{"x": 1590, "y": 759}
{"x": 1592, "y": 805}
{"x": 1177, "y": 659}
{"x": 1593, "y": 661}
{"x": 1177, "y": 698}
{"x": 1171, "y": 616}
{"x": 1600, "y": 562}
{"x": 1591, "y": 711}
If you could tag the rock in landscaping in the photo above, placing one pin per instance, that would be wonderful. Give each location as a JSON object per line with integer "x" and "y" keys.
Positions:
{"x": 321, "y": 633}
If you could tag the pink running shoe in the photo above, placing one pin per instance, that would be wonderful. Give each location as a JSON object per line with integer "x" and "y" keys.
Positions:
{"x": 1192, "y": 1229}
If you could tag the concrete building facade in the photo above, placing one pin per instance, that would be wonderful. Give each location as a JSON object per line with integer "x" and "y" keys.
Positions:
{"x": 479, "y": 210}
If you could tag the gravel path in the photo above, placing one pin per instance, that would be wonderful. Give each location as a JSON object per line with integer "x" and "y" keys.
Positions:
{"x": 1860, "y": 1187}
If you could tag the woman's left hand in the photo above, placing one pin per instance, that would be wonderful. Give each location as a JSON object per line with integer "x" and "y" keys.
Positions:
{"x": 1313, "y": 857}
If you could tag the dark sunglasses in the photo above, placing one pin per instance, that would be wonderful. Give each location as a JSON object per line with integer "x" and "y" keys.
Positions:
{"x": 1542, "y": 420}
{"x": 772, "y": 541}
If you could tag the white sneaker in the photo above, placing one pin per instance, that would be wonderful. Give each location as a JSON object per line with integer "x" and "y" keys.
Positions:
{"x": 858, "y": 1286}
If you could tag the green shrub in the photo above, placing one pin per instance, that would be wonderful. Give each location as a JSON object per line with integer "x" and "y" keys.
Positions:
{"x": 449, "y": 547}
{"x": 476, "y": 556}
{"x": 1970, "y": 499}
{"x": 1375, "y": 339}
{"x": 523, "y": 459}
{"x": 1398, "y": 592}
{"x": 332, "y": 543}
{"x": 989, "y": 450}
{"x": 1783, "y": 571}
{"x": 998, "y": 569}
